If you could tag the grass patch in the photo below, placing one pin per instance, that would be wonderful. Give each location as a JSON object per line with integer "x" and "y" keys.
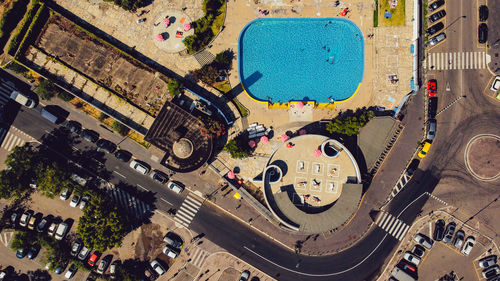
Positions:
{"x": 243, "y": 110}
{"x": 25, "y": 72}
{"x": 138, "y": 138}
{"x": 222, "y": 86}
{"x": 398, "y": 14}
{"x": 375, "y": 14}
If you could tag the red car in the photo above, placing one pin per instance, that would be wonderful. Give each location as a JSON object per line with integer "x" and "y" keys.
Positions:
{"x": 407, "y": 266}
{"x": 432, "y": 87}
{"x": 92, "y": 260}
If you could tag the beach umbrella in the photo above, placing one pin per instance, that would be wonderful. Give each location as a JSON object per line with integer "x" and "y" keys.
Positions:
{"x": 300, "y": 105}
{"x": 264, "y": 139}
{"x": 231, "y": 175}
{"x": 187, "y": 27}
{"x": 289, "y": 145}
{"x": 302, "y": 132}
{"x": 251, "y": 143}
{"x": 166, "y": 21}
{"x": 159, "y": 37}
{"x": 284, "y": 138}
{"x": 317, "y": 153}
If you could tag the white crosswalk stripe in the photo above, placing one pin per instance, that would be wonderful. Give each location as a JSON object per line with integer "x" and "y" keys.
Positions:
{"x": 198, "y": 257}
{"x": 187, "y": 211}
{"x": 392, "y": 225}
{"x": 456, "y": 61}
{"x": 11, "y": 141}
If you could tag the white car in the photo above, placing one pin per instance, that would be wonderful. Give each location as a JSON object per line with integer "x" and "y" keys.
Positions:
{"x": 487, "y": 261}
{"x": 158, "y": 268}
{"x": 175, "y": 187}
{"x": 423, "y": 240}
{"x": 139, "y": 167}
{"x": 468, "y": 245}
{"x": 74, "y": 201}
{"x": 85, "y": 199}
{"x": 64, "y": 194}
{"x": 412, "y": 258}
{"x": 170, "y": 252}
{"x": 71, "y": 271}
{"x": 495, "y": 86}
{"x": 22, "y": 99}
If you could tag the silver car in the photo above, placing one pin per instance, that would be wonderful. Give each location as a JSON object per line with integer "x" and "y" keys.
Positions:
{"x": 431, "y": 129}
{"x": 459, "y": 239}
{"x": 139, "y": 167}
{"x": 435, "y": 40}
{"x": 424, "y": 240}
{"x": 487, "y": 261}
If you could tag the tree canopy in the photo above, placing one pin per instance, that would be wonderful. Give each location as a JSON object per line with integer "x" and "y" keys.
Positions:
{"x": 349, "y": 125}
{"x": 53, "y": 180}
{"x": 23, "y": 163}
{"x": 237, "y": 148}
{"x": 175, "y": 87}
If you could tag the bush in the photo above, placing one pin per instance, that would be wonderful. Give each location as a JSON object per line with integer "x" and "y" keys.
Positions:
{"x": 16, "y": 39}
{"x": 103, "y": 116}
{"x": 205, "y": 26}
{"x": 129, "y": 5}
{"x": 237, "y": 148}
{"x": 349, "y": 125}
{"x": 11, "y": 17}
{"x": 65, "y": 96}
{"x": 33, "y": 30}
{"x": 46, "y": 89}
{"x": 175, "y": 87}
{"x": 17, "y": 68}
{"x": 120, "y": 128}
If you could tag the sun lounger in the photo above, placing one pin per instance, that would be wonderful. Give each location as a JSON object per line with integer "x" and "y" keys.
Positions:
{"x": 301, "y": 165}
{"x": 317, "y": 167}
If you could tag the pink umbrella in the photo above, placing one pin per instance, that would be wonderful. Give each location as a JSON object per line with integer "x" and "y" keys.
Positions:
{"x": 159, "y": 37}
{"x": 231, "y": 175}
{"x": 317, "y": 153}
{"x": 187, "y": 27}
{"x": 264, "y": 139}
{"x": 302, "y": 132}
{"x": 284, "y": 138}
{"x": 251, "y": 143}
{"x": 300, "y": 105}
{"x": 166, "y": 21}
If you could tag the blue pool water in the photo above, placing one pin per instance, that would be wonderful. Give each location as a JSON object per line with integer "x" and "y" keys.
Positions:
{"x": 305, "y": 59}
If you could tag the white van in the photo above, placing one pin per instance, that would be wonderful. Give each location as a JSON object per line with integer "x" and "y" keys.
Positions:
{"x": 22, "y": 99}
{"x": 61, "y": 231}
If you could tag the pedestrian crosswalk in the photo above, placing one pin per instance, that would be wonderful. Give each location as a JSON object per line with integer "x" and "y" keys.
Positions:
{"x": 403, "y": 180}
{"x": 187, "y": 211}
{"x": 135, "y": 208}
{"x": 198, "y": 256}
{"x": 14, "y": 137}
{"x": 456, "y": 60}
{"x": 392, "y": 225}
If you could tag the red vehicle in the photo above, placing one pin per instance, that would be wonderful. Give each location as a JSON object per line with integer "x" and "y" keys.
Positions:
{"x": 92, "y": 260}
{"x": 404, "y": 265}
{"x": 432, "y": 86}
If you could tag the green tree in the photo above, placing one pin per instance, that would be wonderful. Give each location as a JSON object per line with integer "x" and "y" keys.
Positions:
{"x": 46, "y": 89}
{"x": 22, "y": 166}
{"x": 102, "y": 226}
{"x": 349, "y": 125}
{"x": 120, "y": 128}
{"x": 175, "y": 87}
{"x": 224, "y": 59}
{"x": 22, "y": 239}
{"x": 207, "y": 74}
{"x": 237, "y": 149}
{"x": 53, "y": 179}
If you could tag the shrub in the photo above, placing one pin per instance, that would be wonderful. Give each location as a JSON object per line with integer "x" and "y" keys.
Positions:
{"x": 65, "y": 96}
{"x": 46, "y": 89}
{"x": 237, "y": 148}
{"x": 103, "y": 116}
{"x": 175, "y": 87}
{"x": 129, "y": 5}
{"x": 17, "y": 68}
{"x": 349, "y": 125}
{"x": 120, "y": 128}
{"x": 16, "y": 39}
{"x": 11, "y": 17}
{"x": 205, "y": 26}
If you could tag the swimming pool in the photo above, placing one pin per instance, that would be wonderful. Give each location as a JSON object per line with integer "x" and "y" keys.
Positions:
{"x": 308, "y": 59}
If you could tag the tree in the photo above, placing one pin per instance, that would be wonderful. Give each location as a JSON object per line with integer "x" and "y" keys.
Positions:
{"x": 22, "y": 166}
{"x": 237, "y": 149}
{"x": 120, "y": 128}
{"x": 224, "y": 59}
{"x": 208, "y": 74}
{"x": 21, "y": 240}
{"x": 102, "y": 226}
{"x": 53, "y": 180}
{"x": 46, "y": 89}
{"x": 11, "y": 186}
{"x": 175, "y": 87}
{"x": 349, "y": 125}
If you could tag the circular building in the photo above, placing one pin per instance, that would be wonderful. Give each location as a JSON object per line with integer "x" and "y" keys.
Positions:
{"x": 313, "y": 185}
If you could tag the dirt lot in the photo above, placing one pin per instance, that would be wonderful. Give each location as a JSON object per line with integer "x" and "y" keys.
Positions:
{"x": 103, "y": 63}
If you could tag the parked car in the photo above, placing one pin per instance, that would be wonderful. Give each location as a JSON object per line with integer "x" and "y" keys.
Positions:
{"x": 92, "y": 260}
{"x": 74, "y": 201}
{"x": 495, "y": 86}
{"x": 42, "y": 225}
{"x": 439, "y": 230}
{"x": 432, "y": 108}
{"x": 432, "y": 87}
{"x": 32, "y": 223}
{"x": 459, "y": 239}
{"x": 434, "y": 29}
{"x": 437, "y": 16}
{"x": 175, "y": 187}
{"x": 25, "y": 218}
{"x": 112, "y": 268}
{"x": 436, "y": 5}
{"x": 244, "y": 275}
{"x": 65, "y": 194}
{"x": 74, "y": 127}
{"x": 418, "y": 251}
{"x": 101, "y": 268}
{"x": 410, "y": 257}
{"x": 412, "y": 167}
{"x": 106, "y": 146}
{"x": 14, "y": 217}
{"x": 483, "y": 13}
{"x": 90, "y": 135}
{"x": 436, "y": 39}
{"x": 33, "y": 251}
{"x": 406, "y": 266}
{"x": 141, "y": 20}
{"x": 170, "y": 252}
{"x": 424, "y": 240}
{"x": 22, "y": 99}
{"x": 159, "y": 176}
{"x": 491, "y": 271}
{"x": 140, "y": 167}
{"x": 157, "y": 267}
{"x": 84, "y": 253}
{"x": 85, "y": 200}
{"x": 21, "y": 253}
{"x": 468, "y": 245}
{"x": 431, "y": 129}
{"x": 52, "y": 229}
{"x": 123, "y": 155}
{"x": 450, "y": 230}
{"x": 482, "y": 33}
{"x": 61, "y": 231}
{"x": 425, "y": 149}
{"x": 75, "y": 248}
{"x": 71, "y": 272}
{"x": 487, "y": 261}
{"x": 173, "y": 240}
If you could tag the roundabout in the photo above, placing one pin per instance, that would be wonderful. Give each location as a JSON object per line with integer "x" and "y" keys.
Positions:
{"x": 480, "y": 157}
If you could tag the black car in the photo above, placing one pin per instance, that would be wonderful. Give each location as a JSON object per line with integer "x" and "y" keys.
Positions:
{"x": 159, "y": 176}
{"x": 106, "y": 146}
{"x": 412, "y": 167}
{"x": 434, "y": 29}
{"x": 89, "y": 135}
{"x": 437, "y": 16}
{"x": 418, "y": 251}
{"x": 483, "y": 13}
{"x": 434, "y": 6}
{"x": 43, "y": 225}
{"x": 432, "y": 108}
{"x": 33, "y": 252}
{"x": 123, "y": 155}
{"x": 450, "y": 230}
{"x": 439, "y": 230}
{"x": 482, "y": 33}
{"x": 75, "y": 248}
{"x": 74, "y": 127}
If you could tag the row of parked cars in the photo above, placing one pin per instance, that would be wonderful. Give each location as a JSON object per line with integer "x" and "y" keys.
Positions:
{"x": 172, "y": 249}
{"x": 482, "y": 28}
{"x": 432, "y": 105}
{"x": 40, "y": 224}
{"x": 437, "y": 15}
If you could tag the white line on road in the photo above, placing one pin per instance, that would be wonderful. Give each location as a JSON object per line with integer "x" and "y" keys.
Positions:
{"x": 430, "y": 229}
{"x": 119, "y": 174}
{"x": 166, "y": 201}
{"x": 142, "y": 187}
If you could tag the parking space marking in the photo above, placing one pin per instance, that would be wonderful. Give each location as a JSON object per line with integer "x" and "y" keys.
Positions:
{"x": 119, "y": 174}
{"x": 166, "y": 201}
{"x": 142, "y": 187}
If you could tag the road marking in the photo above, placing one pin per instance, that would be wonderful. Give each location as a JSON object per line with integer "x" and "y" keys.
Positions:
{"x": 142, "y": 187}
{"x": 166, "y": 201}
{"x": 392, "y": 225}
{"x": 119, "y": 174}
{"x": 187, "y": 211}
{"x": 456, "y": 61}
{"x": 430, "y": 229}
